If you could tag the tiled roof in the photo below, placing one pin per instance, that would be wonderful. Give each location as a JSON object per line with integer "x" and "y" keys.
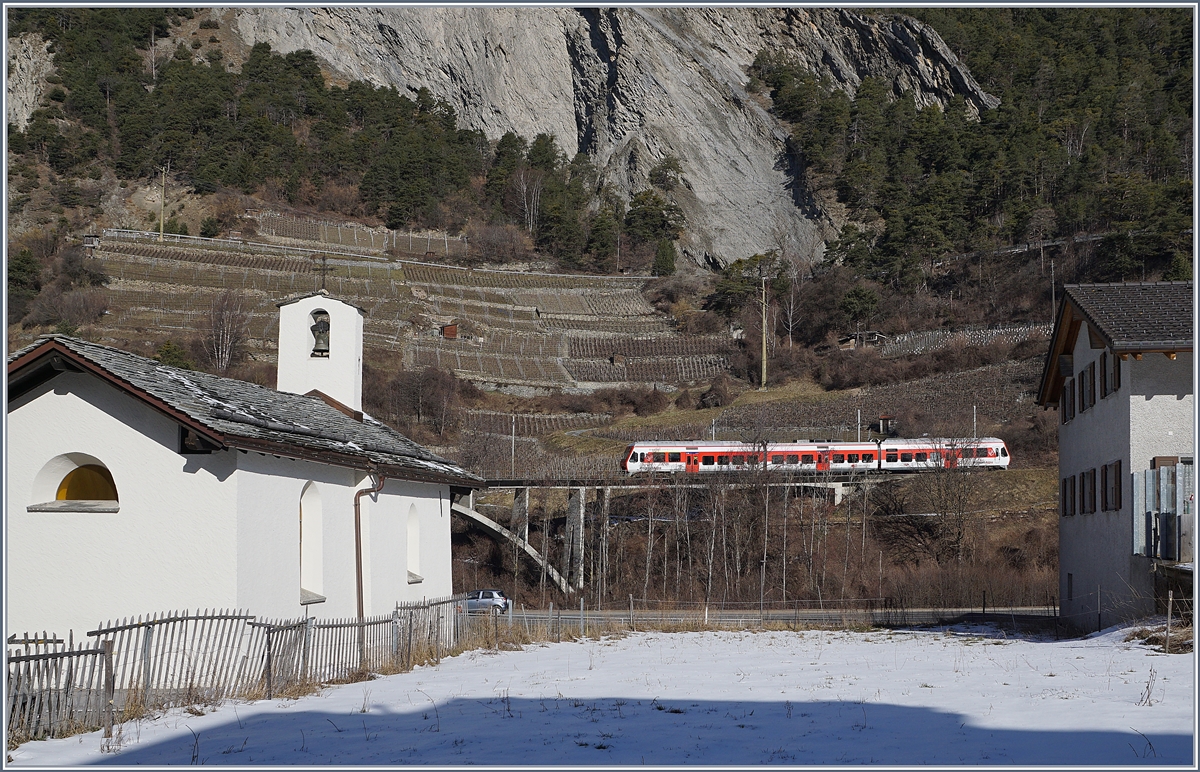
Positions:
{"x": 1138, "y": 315}
{"x": 237, "y": 409}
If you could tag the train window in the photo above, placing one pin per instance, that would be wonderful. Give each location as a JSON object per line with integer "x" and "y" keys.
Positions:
{"x": 922, "y": 456}
{"x": 723, "y": 460}
{"x": 739, "y": 460}
{"x": 776, "y": 459}
{"x": 660, "y": 458}
{"x": 1004, "y": 452}
{"x": 906, "y": 457}
{"x": 852, "y": 458}
{"x": 807, "y": 458}
{"x": 752, "y": 458}
{"x": 935, "y": 456}
{"x": 868, "y": 456}
{"x": 891, "y": 458}
{"x": 673, "y": 458}
{"x": 707, "y": 460}
{"x": 839, "y": 458}
{"x": 793, "y": 459}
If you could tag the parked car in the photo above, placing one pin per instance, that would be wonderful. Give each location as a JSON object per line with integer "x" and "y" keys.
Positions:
{"x": 487, "y": 602}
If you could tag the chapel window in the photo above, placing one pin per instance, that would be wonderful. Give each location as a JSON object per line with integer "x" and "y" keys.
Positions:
{"x": 74, "y": 482}
{"x": 87, "y": 482}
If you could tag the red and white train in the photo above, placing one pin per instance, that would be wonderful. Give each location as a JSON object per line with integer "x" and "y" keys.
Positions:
{"x": 893, "y": 455}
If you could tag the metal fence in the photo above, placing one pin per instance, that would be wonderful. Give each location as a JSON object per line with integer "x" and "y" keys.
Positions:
{"x": 1164, "y": 512}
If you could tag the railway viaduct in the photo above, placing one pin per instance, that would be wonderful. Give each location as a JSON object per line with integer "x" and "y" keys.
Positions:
{"x": 569, "y": 578}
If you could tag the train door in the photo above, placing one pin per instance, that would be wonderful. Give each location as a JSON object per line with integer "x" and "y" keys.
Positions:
{"x": 823, "y": 457}
{"x": 951, "y": 455}
{"x": 691, "y": 462}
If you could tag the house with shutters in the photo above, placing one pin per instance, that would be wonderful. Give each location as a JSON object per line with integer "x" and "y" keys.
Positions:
{"x": 134, "y": 487}
{"x": 1119, "y": 371}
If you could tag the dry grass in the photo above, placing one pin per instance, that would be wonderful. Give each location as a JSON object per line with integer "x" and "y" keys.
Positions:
{"x": 1182, "y": 638}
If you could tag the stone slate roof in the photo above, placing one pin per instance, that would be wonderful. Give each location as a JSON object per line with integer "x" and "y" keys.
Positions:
{"x": 1138, "y": 315}
{"x": 268, "y": 418}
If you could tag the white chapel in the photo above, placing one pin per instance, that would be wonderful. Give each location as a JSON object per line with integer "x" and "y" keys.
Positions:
{"x": 134, "y": 487}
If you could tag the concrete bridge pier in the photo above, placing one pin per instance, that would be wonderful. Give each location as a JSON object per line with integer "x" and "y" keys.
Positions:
{"x": 838, "y": 490}
{"x": 520, "y": 513}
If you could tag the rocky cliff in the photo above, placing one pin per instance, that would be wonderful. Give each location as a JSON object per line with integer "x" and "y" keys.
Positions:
{"x": 631, "y": 85}
{"x": 28, "y": 65}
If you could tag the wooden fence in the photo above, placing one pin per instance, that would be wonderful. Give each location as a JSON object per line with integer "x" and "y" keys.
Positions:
{"x": 178, "y": 658}
{"x": 58, "y": 688}
{"x": 305, "y": 651}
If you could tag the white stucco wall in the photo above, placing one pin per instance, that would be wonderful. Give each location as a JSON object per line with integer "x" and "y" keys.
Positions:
{"x": 1150, "y": 415}
{"x": 171, "y": 545}
{"x": 340, "y": 374}
{"x": 269, "y": 491}
{"x": 389, "y": 543}
{"x": 1160, "y": 408}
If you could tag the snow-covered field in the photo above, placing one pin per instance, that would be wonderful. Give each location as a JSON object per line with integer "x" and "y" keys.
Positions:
{"x": 961, "y": 695}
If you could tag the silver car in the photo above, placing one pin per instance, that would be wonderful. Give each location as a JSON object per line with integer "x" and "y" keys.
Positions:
{"x": 487, "y": 602}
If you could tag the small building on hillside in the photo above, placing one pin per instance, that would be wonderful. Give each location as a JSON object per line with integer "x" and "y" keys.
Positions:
{"x": 1119, "y": 371}
{"x": 134, "y": 487}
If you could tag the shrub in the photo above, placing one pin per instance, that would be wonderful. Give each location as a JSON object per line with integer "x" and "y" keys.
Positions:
{"x": 76, "y": 308}
{"x": 174, "y": 355}
{"x": 719, "y": 394}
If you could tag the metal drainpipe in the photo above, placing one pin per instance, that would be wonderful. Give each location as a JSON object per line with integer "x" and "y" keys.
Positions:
{"x": 358, "y": 569}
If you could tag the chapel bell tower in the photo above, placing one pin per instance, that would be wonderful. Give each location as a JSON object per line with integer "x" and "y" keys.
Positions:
{"x": 321, "y": 347}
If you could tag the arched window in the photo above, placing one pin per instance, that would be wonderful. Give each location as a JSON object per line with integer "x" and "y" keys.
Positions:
{"x": 320, "y": 331}
{"x": 414, "y": 546}
{"x": 87, "y": 482}
{"x": 74, "y": 482}
{"x": 312, "y": 546}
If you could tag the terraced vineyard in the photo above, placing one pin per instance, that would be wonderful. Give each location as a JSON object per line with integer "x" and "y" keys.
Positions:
{"x": 544, "y": 330}
{"x": 532, "y": 425}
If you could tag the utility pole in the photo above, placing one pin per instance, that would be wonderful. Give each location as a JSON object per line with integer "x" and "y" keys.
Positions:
{"x": 763, "y": 382}
{"x": 162, "y": 203}
{"x": 1053, "y": 302}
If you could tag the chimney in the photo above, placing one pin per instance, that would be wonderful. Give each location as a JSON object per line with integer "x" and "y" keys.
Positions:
{"x": 321, "y": 348}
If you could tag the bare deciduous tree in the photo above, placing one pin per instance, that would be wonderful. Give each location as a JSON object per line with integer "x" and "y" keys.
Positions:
{"x": 225, "y": 329}
{"x": 528, "y": 184}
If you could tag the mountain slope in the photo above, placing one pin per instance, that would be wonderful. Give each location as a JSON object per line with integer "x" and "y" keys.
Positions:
{"x": 633, "y": 86}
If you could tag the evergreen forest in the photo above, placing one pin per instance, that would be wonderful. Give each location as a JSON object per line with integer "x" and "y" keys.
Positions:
{"x": 1093, "y": 134}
